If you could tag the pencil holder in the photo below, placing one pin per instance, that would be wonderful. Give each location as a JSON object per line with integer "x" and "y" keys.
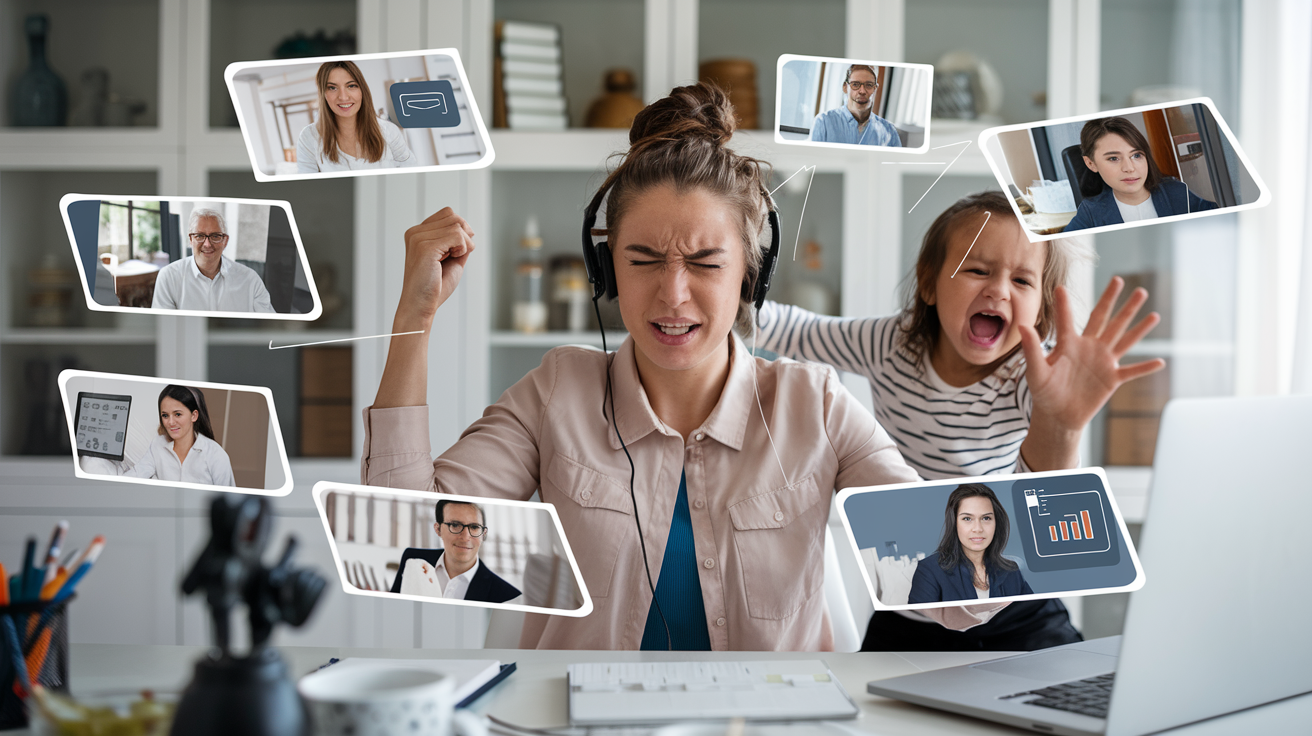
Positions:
{"x": 41, "y": 628}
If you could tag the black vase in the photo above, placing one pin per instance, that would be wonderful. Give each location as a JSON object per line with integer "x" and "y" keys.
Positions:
{"x": 39, "y": 95}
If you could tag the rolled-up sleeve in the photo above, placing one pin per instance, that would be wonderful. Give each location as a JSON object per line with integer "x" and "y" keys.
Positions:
{"x": 497, "y": 455}
{"x": 866, "y": 454}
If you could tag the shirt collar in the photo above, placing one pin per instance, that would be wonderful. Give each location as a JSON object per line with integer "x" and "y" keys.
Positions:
{"x": 198, "y": 444}
{"x": 467, "y": 575}
{"x": 636, "y": 419}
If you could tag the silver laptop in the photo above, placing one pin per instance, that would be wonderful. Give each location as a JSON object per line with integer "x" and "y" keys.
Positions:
{"x": 1221, "y": 623}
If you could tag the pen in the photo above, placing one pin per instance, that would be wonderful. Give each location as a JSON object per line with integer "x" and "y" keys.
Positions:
{"x": 83, "y": 566}
{"x": 52, "y": 552}
{"x": 29, "y": 572}
{"x": 68, "y": 558}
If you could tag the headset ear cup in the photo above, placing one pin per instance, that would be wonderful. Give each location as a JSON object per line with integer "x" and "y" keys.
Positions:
{"x": 607, "y": 269}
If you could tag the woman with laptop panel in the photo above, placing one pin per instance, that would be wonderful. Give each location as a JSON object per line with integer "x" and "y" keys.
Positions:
{"x": 683, "y": 469}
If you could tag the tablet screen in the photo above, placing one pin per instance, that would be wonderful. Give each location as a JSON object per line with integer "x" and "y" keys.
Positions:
{"x": 102, "y": 424}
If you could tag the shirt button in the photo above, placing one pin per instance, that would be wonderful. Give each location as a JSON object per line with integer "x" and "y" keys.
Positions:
{"x": 699, "y": 503}
{"x": 709, "y": 563}
{"x": 778, "y": 516}
{"x": 699, "y": 436}
{"x": 586, "y": 495}
{"x": 719, "y": 621}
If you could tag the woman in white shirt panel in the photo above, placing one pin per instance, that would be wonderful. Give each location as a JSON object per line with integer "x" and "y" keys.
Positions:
{"x": 347, "y": 135}
{"x": 185, "y": 449}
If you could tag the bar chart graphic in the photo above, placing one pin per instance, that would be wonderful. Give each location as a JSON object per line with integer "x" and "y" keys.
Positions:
{"x": 1067, "y": 523}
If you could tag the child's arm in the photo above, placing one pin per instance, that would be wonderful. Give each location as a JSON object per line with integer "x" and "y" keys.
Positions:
{"x": 1072, "y": 383}
{"x": 846, "y": 343}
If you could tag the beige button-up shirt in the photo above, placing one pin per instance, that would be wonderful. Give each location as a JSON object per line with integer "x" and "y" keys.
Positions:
{"x": 759, "y": 537}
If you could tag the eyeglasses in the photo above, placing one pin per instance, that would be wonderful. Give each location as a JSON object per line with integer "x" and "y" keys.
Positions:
{"x": 867, "y": 86}
{"x": 475, "y": 530}
{"x": 214, "y": 238}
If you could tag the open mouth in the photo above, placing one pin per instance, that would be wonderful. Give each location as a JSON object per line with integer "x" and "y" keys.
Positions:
{"x": 674, "y": 333}
{"x": 985, "y": 329}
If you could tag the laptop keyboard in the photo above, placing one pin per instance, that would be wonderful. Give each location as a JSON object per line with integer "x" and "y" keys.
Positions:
{"x": 1088, "y": 697}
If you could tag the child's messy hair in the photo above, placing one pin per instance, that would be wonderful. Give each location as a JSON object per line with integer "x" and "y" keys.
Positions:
{"x": 919, "y": 325}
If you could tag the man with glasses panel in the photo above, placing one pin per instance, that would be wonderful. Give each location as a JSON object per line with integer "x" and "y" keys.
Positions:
{"x": 453, "y": 572}
{"x": 856, "y": 122}
{"x": 205, "y": 280}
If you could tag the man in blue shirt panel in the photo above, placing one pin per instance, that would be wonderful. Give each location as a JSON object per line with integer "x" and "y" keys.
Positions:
{"x": 856, "y": 122}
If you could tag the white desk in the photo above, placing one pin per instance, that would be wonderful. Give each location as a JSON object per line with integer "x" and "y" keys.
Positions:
{"x": 534, "y": 695}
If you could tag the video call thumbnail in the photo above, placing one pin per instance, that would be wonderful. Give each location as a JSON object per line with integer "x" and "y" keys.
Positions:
{"x": 854, "y": 104}
{"x": 1015, "y": 537}
{"x": 1122, "y": 168}
{"x": 358, "y": 115}
{"x": 192, "y": 434}
{"x": 204, "y": 257}
{"x": 441, "y": 548}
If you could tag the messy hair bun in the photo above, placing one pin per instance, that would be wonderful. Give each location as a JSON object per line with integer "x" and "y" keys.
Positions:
{"x": 681, "y": 140}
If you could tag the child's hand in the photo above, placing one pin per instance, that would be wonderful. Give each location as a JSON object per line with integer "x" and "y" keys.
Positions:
{"x": 1072, "y": 383}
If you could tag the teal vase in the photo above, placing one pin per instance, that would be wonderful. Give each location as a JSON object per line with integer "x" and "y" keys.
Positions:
{"x": 39, "y": 95}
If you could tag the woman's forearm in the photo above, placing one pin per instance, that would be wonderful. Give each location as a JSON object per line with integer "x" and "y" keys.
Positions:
{"x": 405, "y": 375}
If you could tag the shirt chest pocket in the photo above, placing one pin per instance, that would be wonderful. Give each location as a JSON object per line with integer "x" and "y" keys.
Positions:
{"x": 597, "y": 516}
{"x": 779, "y": 537}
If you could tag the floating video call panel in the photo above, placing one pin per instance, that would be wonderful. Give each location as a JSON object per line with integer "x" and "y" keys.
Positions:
{"x": 207, "y": 436}
{"x": 854, "y": 104}
{"x": 1015, "y": 537}
{"x": 1122, "y": 168}
{"x": 480, "y": 552}
{"x": 212, "y": 257}
{"x": 400, "y": 111}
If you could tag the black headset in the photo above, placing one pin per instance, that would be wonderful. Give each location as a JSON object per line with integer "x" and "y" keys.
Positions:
{"x": 598, "y": 259}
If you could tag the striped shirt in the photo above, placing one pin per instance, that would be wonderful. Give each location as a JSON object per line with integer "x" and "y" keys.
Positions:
{"x": 942, "y": 431}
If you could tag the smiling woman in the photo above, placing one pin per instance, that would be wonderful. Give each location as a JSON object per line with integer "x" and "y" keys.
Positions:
{"x": 348, "y": 135}
{"x": 185, "y": 449}
{"x": 680, "y": 454}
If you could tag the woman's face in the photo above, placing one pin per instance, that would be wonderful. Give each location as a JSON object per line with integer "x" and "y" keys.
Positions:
{"x": 975, "y": 523}
{"x": 679, "y": 268}
{"x": 1121, "y": 166}
{"x": 176, "y": 418}
{"x": 342, "y": 93}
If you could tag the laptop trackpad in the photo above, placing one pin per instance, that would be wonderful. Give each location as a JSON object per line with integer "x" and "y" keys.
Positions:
{"x": 1058, "y": 666}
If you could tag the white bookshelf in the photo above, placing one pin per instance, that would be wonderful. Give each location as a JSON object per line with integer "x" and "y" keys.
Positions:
{"x": 1052, "y": 47}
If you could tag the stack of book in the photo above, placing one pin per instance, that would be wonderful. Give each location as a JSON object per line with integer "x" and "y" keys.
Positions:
{"x": 528, "y": 86}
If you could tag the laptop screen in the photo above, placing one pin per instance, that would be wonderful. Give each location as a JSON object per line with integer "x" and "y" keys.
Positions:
{"x": 101, "y": 425}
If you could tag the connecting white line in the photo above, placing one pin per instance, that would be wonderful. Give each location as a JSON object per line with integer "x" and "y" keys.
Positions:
{"x": 805, "y": 199}
{"x": 344, "y": 339}
{"x": 945, "y": 170}
{"x": 914, "y": 163}
{"x": 987, "y": 215}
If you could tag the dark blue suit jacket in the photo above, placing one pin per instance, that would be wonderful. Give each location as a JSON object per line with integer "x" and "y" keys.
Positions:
{"x": 486, "y": 586}
{"x": 1171, "y": 197}
{"x": 931, "y": 584}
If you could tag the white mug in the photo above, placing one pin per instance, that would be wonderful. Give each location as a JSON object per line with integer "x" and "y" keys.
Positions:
{"x": 379, "y": 700}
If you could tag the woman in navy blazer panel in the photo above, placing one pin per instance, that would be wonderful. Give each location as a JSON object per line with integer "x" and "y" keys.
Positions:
{"x": 1133, "y": 187}
{"x": 968, "y": 564}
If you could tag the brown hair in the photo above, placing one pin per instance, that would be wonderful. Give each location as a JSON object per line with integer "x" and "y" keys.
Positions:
{"x": 367, "y": 130}
{"x": 1095, "y": 130}
{"x": 858, "y": 67}
{"x": 679, "y": 141}
{"x": 919, "y": 325}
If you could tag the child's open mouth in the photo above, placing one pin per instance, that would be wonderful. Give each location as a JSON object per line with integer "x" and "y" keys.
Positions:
{"x": 985, "y": 329}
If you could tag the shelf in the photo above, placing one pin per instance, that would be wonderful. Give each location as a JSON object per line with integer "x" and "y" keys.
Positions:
{"x": 548, "y": 340}
{"x": 289, "y": 336}
{"x": 76, "y": 336}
